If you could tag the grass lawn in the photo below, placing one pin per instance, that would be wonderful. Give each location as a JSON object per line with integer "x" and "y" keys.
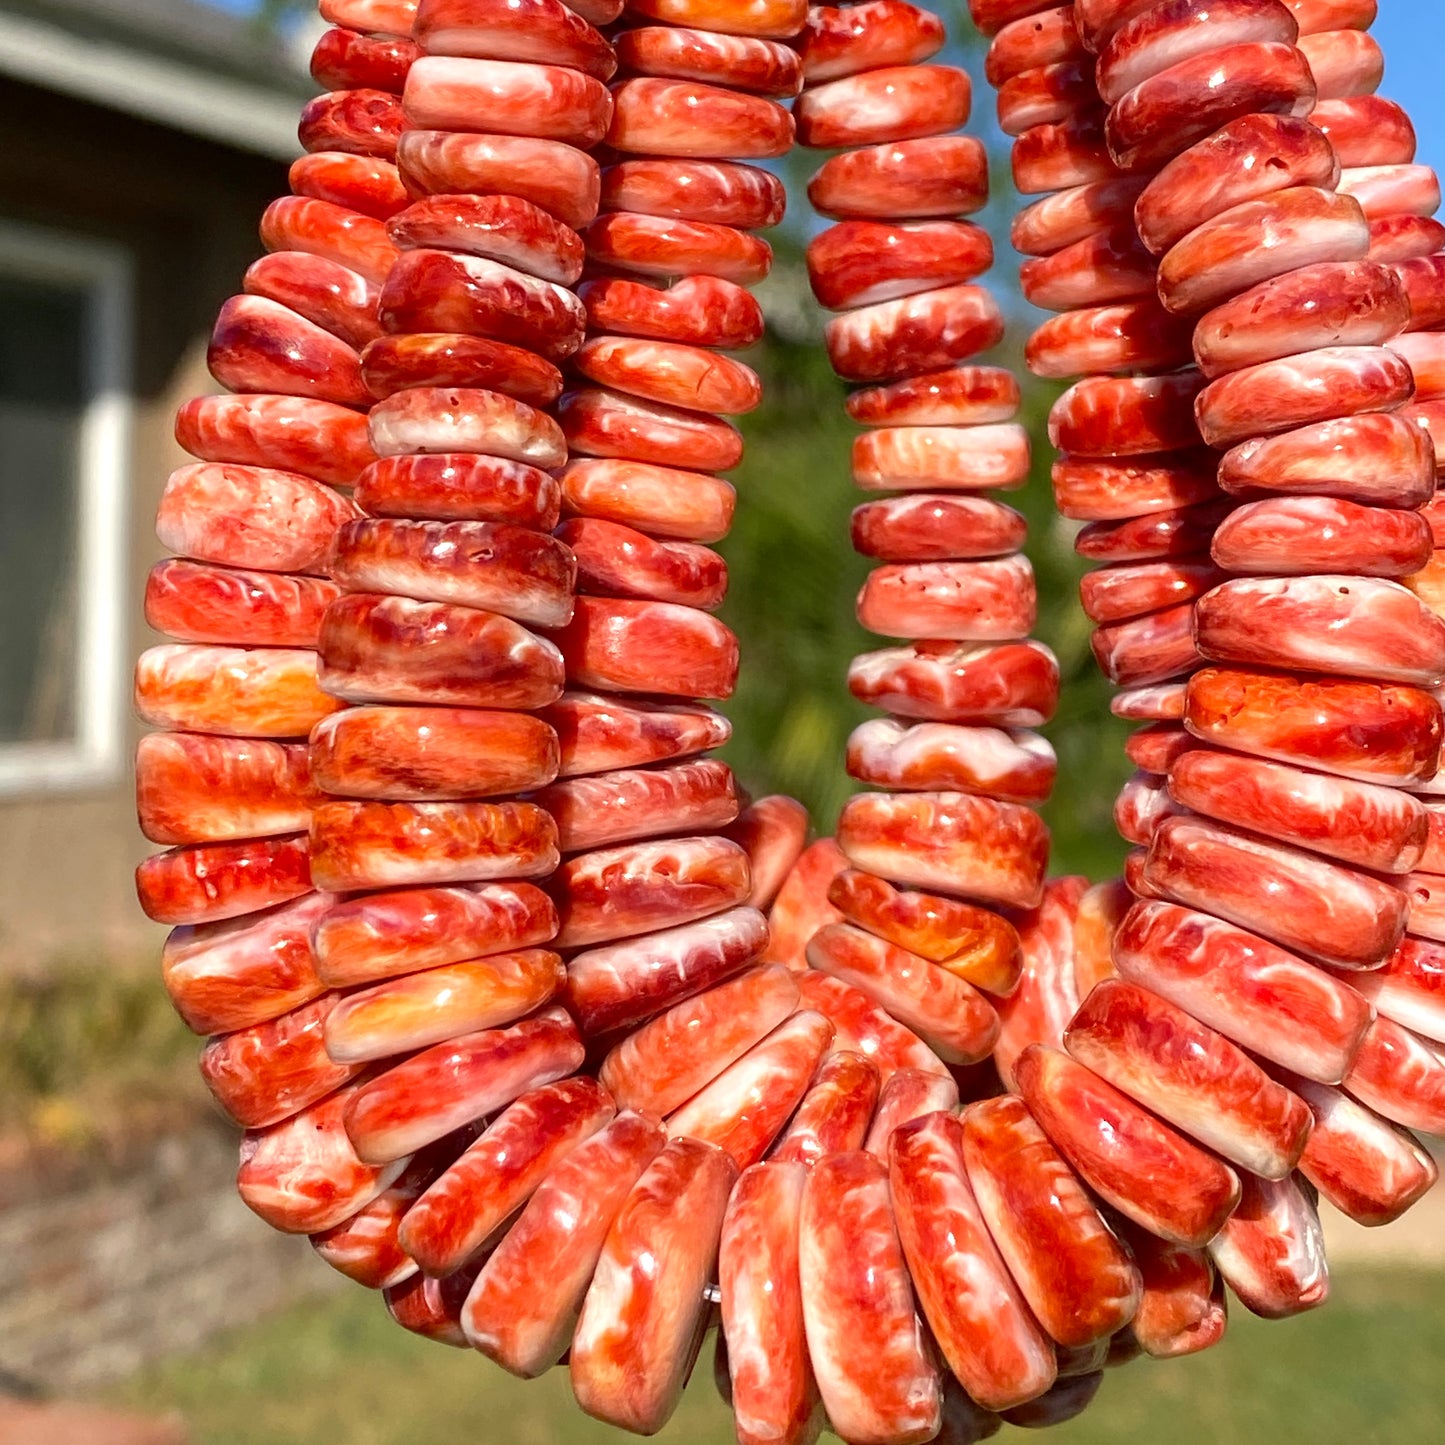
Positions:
{"x": 1365, "y": 1369}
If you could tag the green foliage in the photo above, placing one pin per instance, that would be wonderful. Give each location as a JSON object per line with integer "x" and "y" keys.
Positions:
{"x": 1364, "y": 1371}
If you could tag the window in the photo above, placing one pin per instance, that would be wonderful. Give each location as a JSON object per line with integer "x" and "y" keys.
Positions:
{"x": 65, "y": 347}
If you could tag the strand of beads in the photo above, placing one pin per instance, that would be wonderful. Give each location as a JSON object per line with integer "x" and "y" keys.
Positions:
{"x": 255, "y": 519}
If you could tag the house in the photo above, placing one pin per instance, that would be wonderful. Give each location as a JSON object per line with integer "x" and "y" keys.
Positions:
{"x": 139, "y": 142}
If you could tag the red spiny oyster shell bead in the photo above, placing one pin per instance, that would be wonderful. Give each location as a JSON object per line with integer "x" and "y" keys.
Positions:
{"x": 505, "y": 97}
{"x": 958, "y": 844}
{"x": 1322, "y": 534}
{"x": 303, "y": 1175}
{"x": 923, "y": 332}
{"x": 611, "y": 424}
{"x": 392, "y": 649}
{"x": 686, "y": 118}
{"x": 1370, "y": 826}
{"x": 640, "y": 646}
{"x": 862, "y": 1026}
{"x": 364, "y": 1247}
{"x": 623, "y": 983}
{"x": 191, "y": 788}
{"x": 379, "y": 17}
{"x": 1132, "y": 335}
{"x": 1271, "y": 1252}
{"x": 1258, "y": 241}
{"x": 695, "y": 311}
{"x": 1062, "y": 155}
{"x": 666, "y": 246}
{"x": 990, "y": 601}
{"x": 344, "y": 59}
{"x": 1077, "y": 1277}
{"x": 1112, "y": 594}
{"x": 1375, "y": 732}
{"x": 515, "y": 571}
{"x": 1067, "y": 217}
{"x": 721, "y": 193}
{"x": 939, "y": 1006}
{"x": 501, "y": 228}
{"x": 429, "y": 1007}
{"x": 431, "y": 753}
{"x": 669, "y": 1059}
{"x": 497, "y": 1173}
{"x": 1400, "y": 1076}
{"x": 1410, "y": 987}
{"x": 666, "y": 372}
{"x": 1299, "y": 900}
{"x": 662, "y": 501}
{"x": 1255, "y": 993}
{"x": 973, "y": 943}
{"x": 557, "y": 177}
{"x": 1109, "y": 416}
{"x": 458, "y": 486}
{"x": 325, "y": 293}
{"x": 194, "y": 602}
{"x": 1361, "y": 626}
{"x": 626, "y": 803}
{"x": 771, "y": 1380}
{"x": 465, "y": 419}
{"x": 745, "y": 1107}
{"x": 856, "y": 263}
{"x": 637, "y": 1331}
{"x": 535, "y": 30}
{"x": 393, "y": 363}
{"x": 1177, "y": 532}
{"x": 1014, "y": 684}
{"x": 435, "y": 291}
{"x": 1393, "y": 191}
{"x": 1014, "y": 767}
{"x": 386, "y": 845}
{"x": 382, "y": 935}
{"x": 1190, "y": 100}
{"x": 947, "y": 457}
{"x": 206, "y": 882}
{"x": 908, "y": 1095}
{"x": 432, "y": 1308}
{"x": 776, "y": 19}
{"x": 426, "y": 1096}
{"x": 249, "y": 517}
{"x": 1255, "y": 156}
{"x": 1109, "y": 265}
{"x": 1151, "y": 42}
{"x": 1367, "y": 1168}
{"x": 958, "y": 396}
{"x": 839, "y": 41}
{"x": 366, "y": 184}
{"x": 1143, "y": 1168}
{"x": 922, "y": 526}
{"x": 598, "y": 733}
{"x": 942, "y": 175}
{"x": 835, "y": 1113}
{"x": 363, "y": 122}
{"x": 1027, "y": 42}
{"x": 773, "y": 832}
{"x": 259, "y": 345}
{"x": 522, "y": 1309}
{"x": 1332, "y": 303}
{"x": 1366, "y": 130}
{"x": 332, "y": 232}
{"x": 801, "y": 906}
{"x": 1182, "y": 1308}
{"x": 1045, "y": 95}
{"x": 894, "y": 103}
{"x": 241, "y": 692}
{"x": 1190, "y": 1076}
{"x": 865, "y": 1338}
{"x": 244, "y": 971}
{"x": 744, "y": 62}
{"x": 978, "y": 1316}
{"x": 287, "y": 433}
{"x": 274, "y": 1069}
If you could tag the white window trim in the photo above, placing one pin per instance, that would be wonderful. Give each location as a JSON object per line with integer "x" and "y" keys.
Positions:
{"x": 94, "y": 757}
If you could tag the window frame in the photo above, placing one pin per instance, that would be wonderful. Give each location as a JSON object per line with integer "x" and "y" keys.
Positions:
{"x": 105, "y": 274}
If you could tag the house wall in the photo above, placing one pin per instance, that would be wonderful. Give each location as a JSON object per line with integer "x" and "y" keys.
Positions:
{"x": 187, "y": 211}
